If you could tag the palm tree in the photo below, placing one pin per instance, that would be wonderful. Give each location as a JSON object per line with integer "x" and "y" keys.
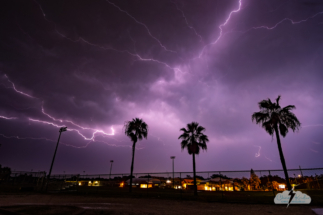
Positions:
{"x": 135, "y": 129}
{"x": 193, "y": 139}
{"x": 273, "y": 117}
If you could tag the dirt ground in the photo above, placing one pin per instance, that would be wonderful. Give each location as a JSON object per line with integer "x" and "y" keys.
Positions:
{"x": 73, "y": 204}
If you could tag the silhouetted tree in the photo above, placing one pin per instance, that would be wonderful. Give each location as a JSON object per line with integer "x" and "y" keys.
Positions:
{"x": 254, "y": 180}
{"x": 193, "y": 139}
{"x": 245, "y": 183}
{"x": 219, "y": 176}
{"x": 273, "y": 117}
{"x": 199, "y": 177}
{"x": 135, "y": 129}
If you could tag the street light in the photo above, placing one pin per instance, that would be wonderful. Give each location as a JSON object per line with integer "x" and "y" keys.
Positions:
{"x": 111, "y": 161}
{"x": 173, "y": 157}
{"x": 62, "y": 129}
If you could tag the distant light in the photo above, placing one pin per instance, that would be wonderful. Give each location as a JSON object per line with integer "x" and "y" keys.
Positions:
{"x": 281, "y": 186}
{"x": 80, "y": 183}
{"x": 168, "y": 181}
{"x": 90, "y": 182}
{"x": 143, "y": 185}
{"x": 299, "y": 175}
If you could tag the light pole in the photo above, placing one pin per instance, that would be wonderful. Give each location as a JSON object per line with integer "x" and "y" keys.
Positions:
{"x": 111, "y": 161}
{"x": 173, "y": 157}
{"x": 62, "y": 129}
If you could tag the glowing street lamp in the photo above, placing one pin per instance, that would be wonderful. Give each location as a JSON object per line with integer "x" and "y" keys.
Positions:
{"x": 173, "y": 157}
{"x": 62, "y": 129}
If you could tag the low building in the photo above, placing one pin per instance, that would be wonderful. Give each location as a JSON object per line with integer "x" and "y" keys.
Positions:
{"x": 143, "y": 182}
{"x": 217, "y": 184}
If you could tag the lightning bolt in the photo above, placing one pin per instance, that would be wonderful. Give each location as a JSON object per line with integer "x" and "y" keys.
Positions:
{"x": 20, "y": 92}
{"x": 26, "y": 138}
{"x": 291, "y": 194}
{"x": 188, "y": 25}
{"x": 142, "y": 24}
{"x": 287, "y": 19}
{"x": 61, "y": 142}
{"x": 317, "y": 125}
{"x": 9, "y": 118}
{"x": 96, "y": 132}
{"x": 258, "y": 153}
{"x": 92, "y": 138}
{"x": 268, "y": 159}
{"x": 72, "y": 129}
{"x": 221, "y": 30}
{"x": 81, "y": 39}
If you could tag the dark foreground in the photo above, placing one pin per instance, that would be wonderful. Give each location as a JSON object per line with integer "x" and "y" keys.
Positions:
{"x": 58, "y": 203}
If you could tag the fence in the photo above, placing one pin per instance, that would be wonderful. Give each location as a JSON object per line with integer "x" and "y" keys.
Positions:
{"x": 177, "y": 185}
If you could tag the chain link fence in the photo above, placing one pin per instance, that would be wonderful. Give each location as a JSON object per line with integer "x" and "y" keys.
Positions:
{"x": 233, "y": 186}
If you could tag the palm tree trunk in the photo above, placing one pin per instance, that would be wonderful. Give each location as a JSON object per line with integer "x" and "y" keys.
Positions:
{"x": 131, "y": 170}
{"x": 194, "y": 172}
{"x": 282, "y": 159}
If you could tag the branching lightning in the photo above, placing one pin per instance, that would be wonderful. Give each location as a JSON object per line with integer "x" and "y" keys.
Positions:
{"x": 286, "y": 19}
{"x": 25, "y": 138}
{"x": 136, "y": 55}
{"x": 221, "y": 30}
{"x": 92, "y": 138}
{"x": 188, "y": 25}
{"x": 258, "y": 153}
{"x": 97, "y": 132}
{"x": 9, "y": 118}
{"x": 142, "y": 24}
{"x": 20, "y": 92}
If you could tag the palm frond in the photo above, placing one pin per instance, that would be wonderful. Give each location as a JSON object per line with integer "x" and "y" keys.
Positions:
{"x": 265, "y": 104}
{"x": 136, "y": 128}
{"x": 288, "y": 108}
{"x": 200, "y": 129}
{"x": 183, "y": 136}
{"x": 283, "y": 130}
{"x": 277, "y": 101}
{"x": 184, "y": 144}
{"x": 184, "y": 130}
{"x": 272, "y": 115}
{"x": 192, "y": 138}
{"x": 268, "y": 127}
{"x": 260, "y": 117}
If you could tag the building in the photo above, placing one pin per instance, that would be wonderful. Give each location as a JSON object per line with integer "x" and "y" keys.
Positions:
{"x": 143, "y": 183}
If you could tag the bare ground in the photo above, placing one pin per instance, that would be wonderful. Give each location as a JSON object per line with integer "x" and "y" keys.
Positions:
{"x": 74, "y": 204}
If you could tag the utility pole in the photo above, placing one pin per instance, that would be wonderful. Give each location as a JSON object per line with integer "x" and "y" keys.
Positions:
{"x": 173, "y": 157}
{"x": 111, "y": 161}
{"x": 62, "y": 129}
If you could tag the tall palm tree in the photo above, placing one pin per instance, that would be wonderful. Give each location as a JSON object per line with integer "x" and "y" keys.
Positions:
{"x": 272, "y": 117}
{"x": 135, "y": 129}
{"x": 193, "y": 139}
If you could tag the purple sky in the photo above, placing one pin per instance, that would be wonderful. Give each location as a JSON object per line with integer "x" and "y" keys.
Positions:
{"x": 92, "y": 65}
